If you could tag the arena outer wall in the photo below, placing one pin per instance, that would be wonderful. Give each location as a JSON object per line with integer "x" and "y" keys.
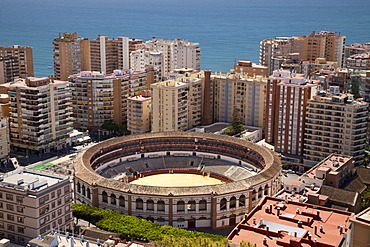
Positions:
{"x": 211, "y": 206}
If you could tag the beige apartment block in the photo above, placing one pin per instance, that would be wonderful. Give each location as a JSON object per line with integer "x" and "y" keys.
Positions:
{"x": 99, "y": 98}
{"x": 286, "y": 104}
{"x": 177, "y": 103}
{"x": 328, "y": 45}
{"x": 139, "y": 114}
{"x": 241, "y": 92}
{"x": 22, "y": 55}
{"x": 40, "y": 114}
{"x": 68, "y": 50}
{"x": 359, "y": 61}
{"x": 9, "y": 69}
{"x": 361, "y": 229}
{"x": 250, "y": 69}
{"x": 335, "y": 123}
{"x": 32, "y": 204}
{"x": 4, "y": 138}
{"x": 73, "y": 54}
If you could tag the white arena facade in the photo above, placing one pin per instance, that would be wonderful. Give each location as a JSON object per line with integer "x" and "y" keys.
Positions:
{"x": 181, "y": 179}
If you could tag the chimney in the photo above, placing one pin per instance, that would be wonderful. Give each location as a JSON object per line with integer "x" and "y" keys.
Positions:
{"x": 264, "y": 241}
{"x": 340, "y": 230}
{"x": 299, "y": 223}
{"x": 271, "y": 208}
{"x": 267, "y": 230}
{"x": 207, "y": 118}
{"x": 321, "y": 228}
{"x": 309, "y": 236}
{"x": 315, "y": 227}
{"x": 278, "y": 211}
{"x": 318, "y": 213}
{"x": 254, "y": 220}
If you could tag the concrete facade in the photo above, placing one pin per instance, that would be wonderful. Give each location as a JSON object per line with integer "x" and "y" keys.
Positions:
{"x": 177, "y": 103}
{"x": 335, "y": 123}
{"x": 40, "y": 114}
{"x": 32, "y": 204}
{"x": 286, "y": 104}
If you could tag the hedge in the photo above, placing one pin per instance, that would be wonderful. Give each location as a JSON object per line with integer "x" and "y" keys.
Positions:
{"x": 130, "y": 227}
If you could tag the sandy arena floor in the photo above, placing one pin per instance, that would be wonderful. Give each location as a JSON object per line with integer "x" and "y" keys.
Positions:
{"x": 176, "y": 180}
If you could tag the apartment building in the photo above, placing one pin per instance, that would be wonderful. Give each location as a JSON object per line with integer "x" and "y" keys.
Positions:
{"x": 140, "y": 59}
{"x": 356, "y": 48}
{"x": 4, "y": 139}
{"x": 9, "y": 69}
{"x": 69, "y": 58}
{"x": 328, "y": 45}
{"x": 239, "y": 92}
{"x": 358, "y": 61}
{"x": 73, "y": 54}
{"x": 176, "y": 54}
{"x": 21, "y": 61}
{"x": 99, "y": 98}
{"x": 177, "y": 103}
{"x": 32, "y": 204}
{"x": 335, "y": 123}
{"x": 250, "y": 69}
{"x": 40, "y": 114}
{"x": 139, "y": 113}
{"x": 286, "y": 104}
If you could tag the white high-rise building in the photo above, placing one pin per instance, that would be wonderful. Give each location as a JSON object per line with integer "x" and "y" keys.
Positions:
{"x": 175, "y": 54}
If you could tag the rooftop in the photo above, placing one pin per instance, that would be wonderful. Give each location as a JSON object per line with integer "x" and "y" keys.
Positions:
{"x": 276, "y": 222}
{"x": 29, "y": 180}
{"x": 331, "y": 164}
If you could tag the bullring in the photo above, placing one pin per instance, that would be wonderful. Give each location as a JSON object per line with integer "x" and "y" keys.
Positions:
{"x": 104, "y": 176}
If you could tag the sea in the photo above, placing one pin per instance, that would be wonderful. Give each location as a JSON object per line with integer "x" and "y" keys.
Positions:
{"x": 227, "y": 30}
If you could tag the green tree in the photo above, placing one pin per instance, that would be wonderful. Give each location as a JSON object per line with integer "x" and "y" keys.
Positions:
{"x": 236, "y": 124}
{"x": 355, "y": 86}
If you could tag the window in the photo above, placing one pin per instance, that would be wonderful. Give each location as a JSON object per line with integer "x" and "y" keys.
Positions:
{"x": 68, "y": 217}
{"x": 105, "y": 196}
{"x": 223, "y": 204}
{"x": 44, "y": 210}
{"x": 59, "y": 202}
{"x": 53, "y": 215}
{"x": 113, "y": 199}
{"x": 20, "y": 219}
{"x": 160, "y": 206}
{"x": 139, "y": 204}
{"x": 60, "y": 221}
{"x": 9, "y": 197}
{"x": 59, "y": 192}
{"x": 233, "y": 202}
{"x": 121, "y": 201}
{"x": 43, "y": 199}
{"x": 191, "y": 206}
{"x": 67, "y": 208}
{"x": 10, "y": 207}
{"x": 53, "y": 205}
{"x": 180, "y": 206}
{"x": 150, "y": 205}
{"x": 10, "y": 217}
{"x": 1, "y": 225}
{"x": 19, "y": 199}
{"x": 59, "y": 211}
{"x": 1, "y": 195}
{"x": 66, "y": 189}
{"x": 20, "y": 229}
{"x": 52, "y": 194}
{"x": 1, "y": 205}
{"x": 11, "y": 227}
{"x": 242, "y": 201}
{"x": 67, "y": 199}
{"x": 20, "y": 209}
{"x": 202, "y": 205}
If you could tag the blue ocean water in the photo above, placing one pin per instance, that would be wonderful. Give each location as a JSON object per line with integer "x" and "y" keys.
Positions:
{"x": 226, "y": 30}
